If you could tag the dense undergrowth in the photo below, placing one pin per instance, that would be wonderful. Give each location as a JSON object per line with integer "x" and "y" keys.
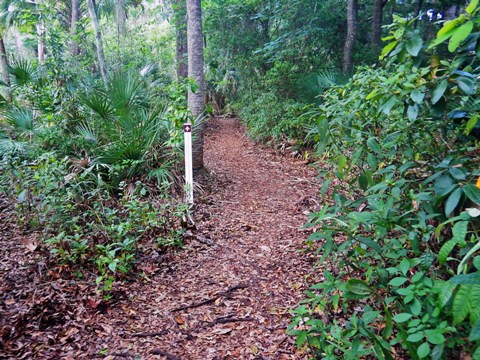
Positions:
{"x": 398, "y": 235}
{"x": 92, "y": 167}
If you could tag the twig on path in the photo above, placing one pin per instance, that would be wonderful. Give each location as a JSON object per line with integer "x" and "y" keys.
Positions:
{"x": 149, "y": 334}
{"x": 203, "y": 240}
{"x": 127, "y": 354}
{"x": 229, "y": 319}
{"x": 163, "y": 353}
{"x": 227, "y": 293}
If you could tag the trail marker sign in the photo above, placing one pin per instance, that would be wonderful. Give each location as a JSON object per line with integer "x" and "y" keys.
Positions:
{"x": 187, "y": 134}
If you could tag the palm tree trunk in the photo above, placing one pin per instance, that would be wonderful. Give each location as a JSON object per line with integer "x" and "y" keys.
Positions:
{"x": 74, "y": 49}
{"x": 4, "y": 70}
{"x": 98, "y": 40}
{"x": 352, "y": 25}
{"x": 196, "y": 100}
{"x": 180, "y": 23}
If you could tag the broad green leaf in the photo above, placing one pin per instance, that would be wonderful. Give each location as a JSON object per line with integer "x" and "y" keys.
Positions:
{"x": 416, "y": 337}
{"x": 417, "y": 96}
{"x": 472, "y": 192}
{"x": 466, "y": 279}
{"x": 459, "y": 232}
{"x": 457, "y": 173}
{"x": 423, "y": 350}
{"x": 371, "y": 95}
{"x": 342, "y": 163}
{"x": 363, "y": 182}
{"x": 446, "y": 293}
{"x": 386, "y": 108}
{"x": 112, "y": 266}
{"x": 476, "y": 354}
{"x": 398, "y": 281}
{"x": 437, "y": 352}
{"x": 475, "y": 332}
{"x": 471, "y": 123}
{"x": 438, "y": 92}
{"x": 415, "y": 307}
{"x": 459, "y": 35}
{"x": 471, "y": 7}
{"x": 435, "y": 337}
{"x": 445, "y": 251}
{"x": 404, "y": 266}
{"x": 402, "y": 317}
{"x": 412, "y": 112}
{"x": 358, "y": 287}
{"x": 453, "y": 201}
{"x": 389, "y": 47}
{"x": 447, "y": 27}
{"x": 373, "y": 145}
{"x": 467, "y": 85}
{"x": 301, "y": 337}
{"x": 461, "y": 304}
{"x": 414, "y": 44}
{"x": 371, "y": 243}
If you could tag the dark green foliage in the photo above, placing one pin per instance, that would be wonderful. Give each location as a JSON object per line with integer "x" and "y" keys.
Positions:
{"x": 398, "y": 235}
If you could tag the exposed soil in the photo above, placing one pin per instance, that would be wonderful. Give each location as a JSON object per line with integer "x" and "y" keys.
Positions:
{"x": 227, "y": 295}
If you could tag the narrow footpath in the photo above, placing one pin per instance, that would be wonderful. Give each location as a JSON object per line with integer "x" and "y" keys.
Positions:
{"x": 227, "y": 295}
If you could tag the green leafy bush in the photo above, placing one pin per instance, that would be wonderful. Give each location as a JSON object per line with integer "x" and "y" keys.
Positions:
{"x": 80, "y": 221}
{"x": 268, "y": 118}
{"x": 398, "y": 231}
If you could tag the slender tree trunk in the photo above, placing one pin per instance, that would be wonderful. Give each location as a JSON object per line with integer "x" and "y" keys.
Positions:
{"x": 41, "y": 42}
{"x": 419, "y": 10}
{"x": 98, "y": 40}
{"x": 4, "y": 70}
{"x": 352, "y": 25}
{"x": 377, "y": 22}
{"x": 196, "y": 100}
{"x": 121, "y": 19}
{"x": 74, "y": 49}
{"x": 180, "y": 23}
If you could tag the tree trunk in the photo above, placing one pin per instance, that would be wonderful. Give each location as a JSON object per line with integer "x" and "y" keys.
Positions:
{"x": 352, "y": 25}
{"x": 4, "y": 70}
{"x": 196, "y": 100}
{"x": 180, "y": 23}
{"x": 74, "y": 49}
{"x": 98, "y": 40}
{"x": 121, "y": 19}
{"x": 41, "y": 43}
{"x": 418, "y": 12}
{"x": 377, "y": 22}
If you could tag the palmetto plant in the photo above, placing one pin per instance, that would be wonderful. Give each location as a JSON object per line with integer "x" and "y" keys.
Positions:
{"x": 129, "y": 130}
{"x": 22, "y": 72}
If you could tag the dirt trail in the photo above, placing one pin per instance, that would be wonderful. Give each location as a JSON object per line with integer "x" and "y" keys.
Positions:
{"x": 238, "y": 277}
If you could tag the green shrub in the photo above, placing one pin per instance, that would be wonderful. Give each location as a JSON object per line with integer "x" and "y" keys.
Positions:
{"x": 268, "y": 118}
{"x": 398, "y": 231}
{"x": 81, "y": 222}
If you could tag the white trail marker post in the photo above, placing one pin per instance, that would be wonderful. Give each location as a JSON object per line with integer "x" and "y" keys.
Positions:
{"x": 187, "y": 133}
